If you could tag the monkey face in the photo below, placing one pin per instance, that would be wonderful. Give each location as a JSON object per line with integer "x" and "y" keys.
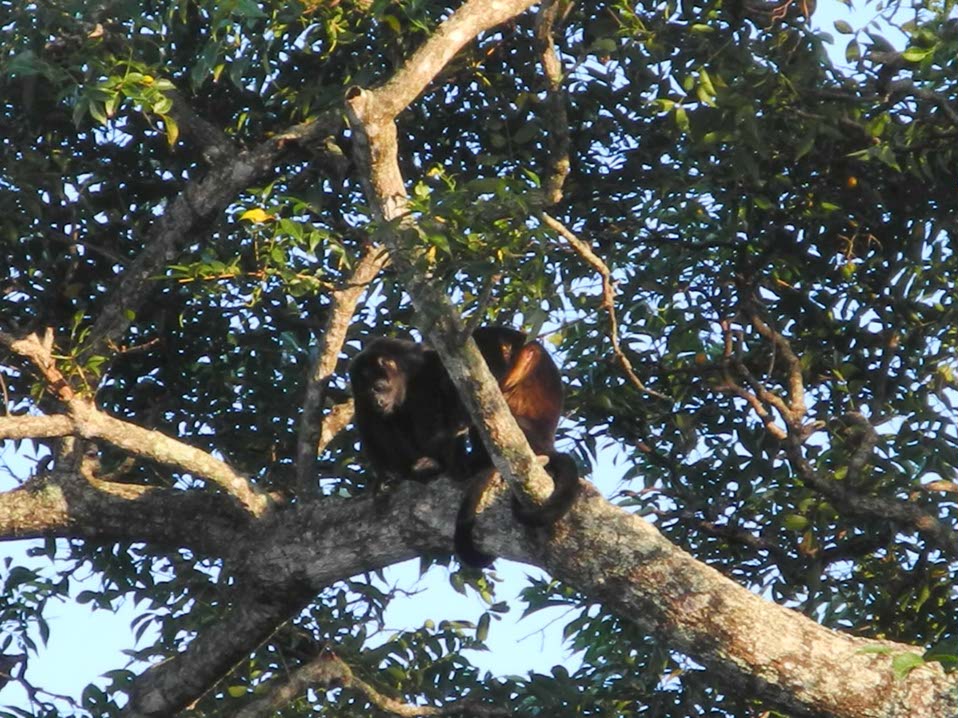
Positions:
{"x": 388, "y": 385}
{"x": 380, "y": 375}
{"x": 380, "y": 382}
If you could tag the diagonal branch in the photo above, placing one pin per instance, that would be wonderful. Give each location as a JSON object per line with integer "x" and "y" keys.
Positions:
{"x": 463, "y": 26}
{"x": 794, "y": 412}
{"x": 327, "y": 670}
{"x": 213, "y": 142}
{"x": 372, "y": 118}
{"x": 342, "y": 306}
{"x": 93, "y": 424}
{"x": 169, "y": 687}
{"x": 608, "y": 299}
{"x": 88, "y": 422}
{"x": 199, "y": 202}
{"x": 849, "y": 502}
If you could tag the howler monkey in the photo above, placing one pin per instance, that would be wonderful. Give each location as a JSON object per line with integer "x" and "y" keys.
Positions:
{"x": 410, "y": 420}
{"x": 412, "y": 423}
{"x": 532, "y": 387}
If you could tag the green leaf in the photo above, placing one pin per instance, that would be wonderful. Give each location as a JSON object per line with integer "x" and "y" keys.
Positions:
{"x": 482, "y": 630}
{"x": 795, "y": 522}
{"x": 843, "y": 27}
{"x": 917, "y": 54}
{"x": 853, "y": 51}
{"x": 904, "y": 663}
{"x": 172, "y": 130}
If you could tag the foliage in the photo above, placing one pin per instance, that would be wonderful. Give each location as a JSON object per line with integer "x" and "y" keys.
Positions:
{"x": 723, "y": 168}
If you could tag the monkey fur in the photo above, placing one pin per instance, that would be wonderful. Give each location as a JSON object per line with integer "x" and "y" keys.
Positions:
{"x": 532, "y": 387}
{"x": 410, "y": 420}
{"x": 413, "y": 425}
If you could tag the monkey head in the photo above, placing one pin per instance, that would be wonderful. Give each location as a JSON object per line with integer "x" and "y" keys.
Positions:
{"x": 380, "y": 373}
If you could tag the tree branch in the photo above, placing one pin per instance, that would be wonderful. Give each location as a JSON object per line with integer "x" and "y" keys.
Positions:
{"x": 335, "y": 421}
{"x": 167, "y": 688}
{"x": 89, "y": 423}
{"x": 74, "y": 506}
{"x": 342, "y": 306}
{"x": 556, "y": 118}
{"x": 212, "y": 141}
{"x": 608, "y": 299}
{"x": 287, "y": 560}
{"x": 329, "y": 671}
{"x": 35, "y": 427}
{"x": 465, "y": 24}
{"x": 199, "y": 202}
{"x": 93, "y": 424}
{"x": 371, "y": 115}
{"x": 748, "y": 643}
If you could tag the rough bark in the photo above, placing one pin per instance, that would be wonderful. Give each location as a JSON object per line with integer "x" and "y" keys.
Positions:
{"x": 753, "y": 645}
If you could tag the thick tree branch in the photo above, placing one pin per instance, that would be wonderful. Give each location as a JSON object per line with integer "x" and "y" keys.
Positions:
{"x": 35, "y": 427}
{"x": 849, "y": 502}
{"x": 169, "y": 687}
{"x": 846, "y": 499}
{"x": 74, "y": 506}
{"x": 751, "y": 644}
{"x": 342, "y": 306}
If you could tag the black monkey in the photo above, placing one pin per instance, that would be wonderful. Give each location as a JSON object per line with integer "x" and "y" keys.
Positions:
{"x": 410, "y": 420}
{"x": 413, "y": 425}
{"x": 532, "y": 387}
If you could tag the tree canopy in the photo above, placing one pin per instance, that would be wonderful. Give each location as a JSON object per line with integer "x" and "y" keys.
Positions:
{"x": 739, "y": 251}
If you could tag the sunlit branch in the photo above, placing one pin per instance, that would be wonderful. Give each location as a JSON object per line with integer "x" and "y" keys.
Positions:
{"x": 468, "y": 21}
{"x": 342, "y": 306}
{"x": 329, "y": 671}
{"x": 608, "y": 299}
{"x": 90, "y": 423}
{"x": 548, "y": 19}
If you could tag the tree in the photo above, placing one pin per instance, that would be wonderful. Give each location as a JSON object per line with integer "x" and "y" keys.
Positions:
{"x": 740, "y": 252}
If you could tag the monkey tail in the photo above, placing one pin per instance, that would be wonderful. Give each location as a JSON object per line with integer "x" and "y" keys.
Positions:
{"x": 465, "y": 545}
{"x": 565, "y": 475}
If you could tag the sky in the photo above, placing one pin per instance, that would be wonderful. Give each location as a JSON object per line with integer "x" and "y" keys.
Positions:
{"x": 85, "y": 643}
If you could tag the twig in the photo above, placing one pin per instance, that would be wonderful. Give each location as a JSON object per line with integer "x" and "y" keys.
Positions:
{"x": 608, "y": 300}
